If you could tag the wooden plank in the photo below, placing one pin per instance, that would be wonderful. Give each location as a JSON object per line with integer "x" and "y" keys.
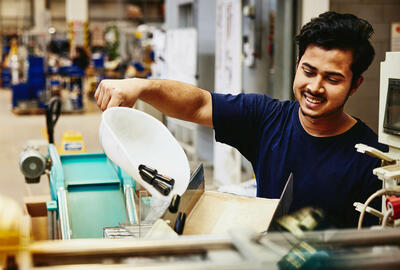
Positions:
{"x": 36, "y": 205}
{"x": 116, "y": 246}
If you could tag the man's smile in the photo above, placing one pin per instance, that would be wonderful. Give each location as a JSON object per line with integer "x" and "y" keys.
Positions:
{"x": 314, "y": 100}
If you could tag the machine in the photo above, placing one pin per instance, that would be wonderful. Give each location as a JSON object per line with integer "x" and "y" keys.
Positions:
{"x": 239, "y": 249}
{"x": 88, "y": 191}
{"x": 389, "y": 133}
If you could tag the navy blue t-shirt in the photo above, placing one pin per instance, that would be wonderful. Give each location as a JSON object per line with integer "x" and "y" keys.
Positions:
{"x": 328, "y": 172}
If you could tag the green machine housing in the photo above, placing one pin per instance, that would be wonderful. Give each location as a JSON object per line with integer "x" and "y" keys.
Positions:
{"x": 89, "y": 192}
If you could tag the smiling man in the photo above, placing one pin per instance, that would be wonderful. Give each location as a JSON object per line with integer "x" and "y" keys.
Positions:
{"x": 311, "y": 137}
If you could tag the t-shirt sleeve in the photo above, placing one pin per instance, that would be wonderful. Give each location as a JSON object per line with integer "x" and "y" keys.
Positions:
{"x": 238, "y": 119}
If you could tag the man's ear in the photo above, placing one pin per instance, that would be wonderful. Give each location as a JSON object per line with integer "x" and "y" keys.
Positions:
{"x": 356, "y": 85}
{"x": 297, "y": 62}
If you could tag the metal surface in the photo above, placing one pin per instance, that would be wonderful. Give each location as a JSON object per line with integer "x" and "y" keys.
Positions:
{"x": 188, "y": 199}
{"x": 32, "y": 164}
{"x": 64, "y": 214}
{"x": 130, "y": 205}
{"x": 91, "y": 187}
{"x": 284, "y": 203}
{"x": 93, "y": 207}
{"x": 95, "y": 195}
{"x": 389, "y": 93}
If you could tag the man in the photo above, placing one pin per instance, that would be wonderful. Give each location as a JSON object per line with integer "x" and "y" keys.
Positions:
{"x": 312, "y": 137}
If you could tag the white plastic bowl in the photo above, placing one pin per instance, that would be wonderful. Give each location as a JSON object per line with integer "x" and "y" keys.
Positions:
{"x": 130, "y": 137}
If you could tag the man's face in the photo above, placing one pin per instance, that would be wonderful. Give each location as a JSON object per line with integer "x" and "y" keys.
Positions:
{"x": 323, "y": 81}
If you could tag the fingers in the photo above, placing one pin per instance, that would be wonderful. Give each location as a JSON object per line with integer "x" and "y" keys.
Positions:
{"x": 105, "y": 100}
{"x": 98, "y": 95}
{"x": 114, "y": 102}
{"x": 99, "y": 99}
{"x": 112, "y": 93}
{"x": 106, "y": 92}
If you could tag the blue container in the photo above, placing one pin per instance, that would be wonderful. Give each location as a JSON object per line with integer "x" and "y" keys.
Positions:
{"x": 20, "y": 92}
{"x": 34, "y": 90}
{"x": 98, "y": 63}
{"x": 36, "y": 78}
{"x": 36, "y": 69}
{"x": 37, "y": 62}
{"x": 6, "y": 48}
{"x": 6, "y": 77}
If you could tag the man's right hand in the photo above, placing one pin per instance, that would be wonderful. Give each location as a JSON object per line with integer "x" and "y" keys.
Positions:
{"x": 173, "y": 98}
{"x": 113, "y": 93}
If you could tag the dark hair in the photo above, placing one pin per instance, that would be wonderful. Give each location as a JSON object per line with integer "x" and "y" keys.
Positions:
{"x": 332, "y": 30}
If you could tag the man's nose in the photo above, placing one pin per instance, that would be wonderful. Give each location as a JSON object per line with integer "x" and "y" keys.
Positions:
{"x": 315, "y": 85}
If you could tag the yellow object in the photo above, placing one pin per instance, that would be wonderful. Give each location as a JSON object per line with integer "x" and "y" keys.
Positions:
{"x": 10, "y": 224}
{"x": 13, "y": 51}
{"x": 14, "y": 234}
{"x": 72, "y": 143}
{"x": 138, "y": 35}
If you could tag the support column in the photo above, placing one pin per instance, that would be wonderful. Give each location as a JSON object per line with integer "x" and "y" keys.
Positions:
{"x": 77, "y": 20}
{"x": 40, "y": 16}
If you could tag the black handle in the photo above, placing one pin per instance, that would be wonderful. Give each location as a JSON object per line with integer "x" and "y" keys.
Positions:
{"x": 174, "y": 205}
{"x": 53, "y": 111}
{"x": 180, "y": 223}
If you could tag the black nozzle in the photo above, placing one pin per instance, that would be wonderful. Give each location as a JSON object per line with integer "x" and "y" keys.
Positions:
{"x": 147, "y": 169}
{"x": 160, "y": 182}
{"x": 165, "y": 179}
{"x": 162, "y": 187}
{"x": 146, "y": 176}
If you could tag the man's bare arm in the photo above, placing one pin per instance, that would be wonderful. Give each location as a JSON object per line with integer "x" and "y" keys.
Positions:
{"x": 175, "y": 99}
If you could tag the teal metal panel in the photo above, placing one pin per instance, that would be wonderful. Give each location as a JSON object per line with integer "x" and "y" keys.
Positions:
{"x": 95, "y": 197}
{"x": 56, "y": 172}
{"x": 51, "y": 206}
{"x": 93, "y": 207}
{"x": 86, "y": 168}
{"x": 125, "y": 177}
{"x": 94, "y": 189}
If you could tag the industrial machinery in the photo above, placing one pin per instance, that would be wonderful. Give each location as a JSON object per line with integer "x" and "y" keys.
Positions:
{"x": 74, "y": 198}
{"x": 88, "y": 191}
{"x": 389, "y": 133}
{"x": 238, "y": 249}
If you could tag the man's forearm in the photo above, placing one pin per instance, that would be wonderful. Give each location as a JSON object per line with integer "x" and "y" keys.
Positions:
{"x": 178, "y": 100}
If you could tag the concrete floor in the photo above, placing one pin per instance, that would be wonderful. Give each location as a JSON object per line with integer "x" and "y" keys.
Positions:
{"x": 18, "y": 129}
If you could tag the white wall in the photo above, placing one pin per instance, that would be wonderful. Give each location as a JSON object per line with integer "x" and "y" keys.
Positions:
{"x": 15, "y": 14}
{"x": 364, "y": 103}
{"x": 312, "y": 8}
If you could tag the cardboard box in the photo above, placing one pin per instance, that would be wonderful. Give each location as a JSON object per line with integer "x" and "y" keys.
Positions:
{"x": 216, "y": 213}
{"x": 210, "y": 212}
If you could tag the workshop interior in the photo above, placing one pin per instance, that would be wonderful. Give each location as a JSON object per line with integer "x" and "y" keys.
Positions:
{"x": 133, "y": 188}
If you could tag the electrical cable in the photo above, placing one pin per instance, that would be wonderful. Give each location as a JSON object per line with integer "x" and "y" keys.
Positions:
{"x": 386, "y": 216}
{"x": 367, "y": 202}
{"x": 385, "y": 191}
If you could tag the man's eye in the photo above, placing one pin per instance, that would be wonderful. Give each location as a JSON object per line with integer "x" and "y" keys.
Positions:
{"x": 333, "y": 80}
{"x": 308, "y": 72}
